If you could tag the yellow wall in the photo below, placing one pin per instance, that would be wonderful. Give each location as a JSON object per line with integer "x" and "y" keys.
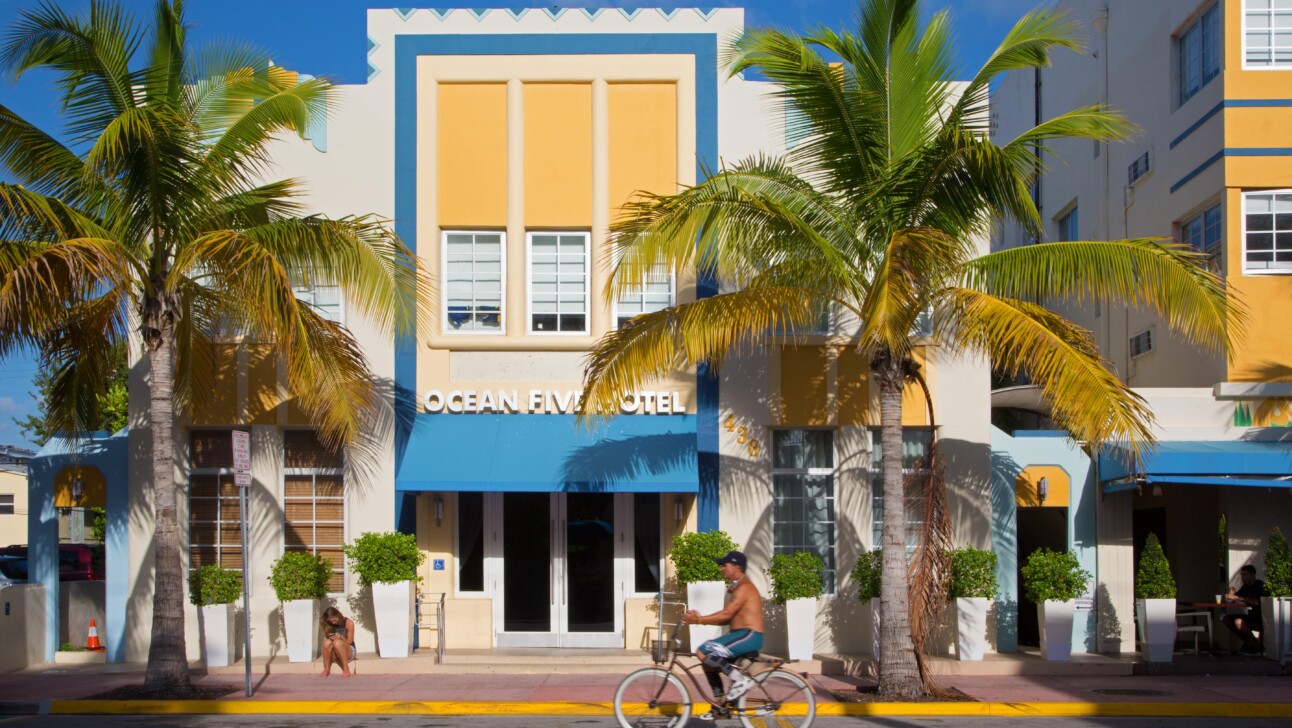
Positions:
{"x": 804, "y": 386}
{"x": 1058, "y": 486}
{"x": 1253, "y": 84}
{"x": 558, "y": 155}
{"x": 262, "y": 386}
{"x": 472, "y": 145}
{"x": 220, "y": 405}
{"x": 95, "y": 493}
{"x": 1265, "y": 354}
{"x": 643, "y": 140}
{"x": 13, "y": 528}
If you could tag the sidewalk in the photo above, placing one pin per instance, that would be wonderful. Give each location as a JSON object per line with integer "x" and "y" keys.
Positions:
{"x": 66, "y": 690}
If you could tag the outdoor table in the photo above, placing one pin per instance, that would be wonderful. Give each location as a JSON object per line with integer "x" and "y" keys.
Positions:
{"x": 1212, "y": 607}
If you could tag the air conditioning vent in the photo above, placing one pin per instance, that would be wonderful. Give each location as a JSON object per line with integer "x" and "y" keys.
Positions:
{"x": 1141, "y": 343}
{"x": 1140, "y": 167}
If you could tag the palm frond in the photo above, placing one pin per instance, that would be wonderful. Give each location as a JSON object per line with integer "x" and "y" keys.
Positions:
{"x": 44, "y": 165}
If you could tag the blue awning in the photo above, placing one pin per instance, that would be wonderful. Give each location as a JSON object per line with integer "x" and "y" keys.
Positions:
{"x": 549, "y": 453}
{"x": 1203, "y": 462}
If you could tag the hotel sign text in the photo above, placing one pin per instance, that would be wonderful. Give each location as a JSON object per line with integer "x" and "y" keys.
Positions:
{"x": 544, "y": 401}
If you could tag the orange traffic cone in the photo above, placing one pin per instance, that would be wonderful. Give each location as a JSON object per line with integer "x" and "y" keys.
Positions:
{"x": 92, "y": 642}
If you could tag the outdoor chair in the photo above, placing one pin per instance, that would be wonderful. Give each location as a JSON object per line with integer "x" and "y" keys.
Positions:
{"x": 1194, "y": 626}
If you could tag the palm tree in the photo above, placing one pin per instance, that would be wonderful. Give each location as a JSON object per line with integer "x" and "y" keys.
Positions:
{"x": 152, "y": 218}
{"x": 878, "y": 214}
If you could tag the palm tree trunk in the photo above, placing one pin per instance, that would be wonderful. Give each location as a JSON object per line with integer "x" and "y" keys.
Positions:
{"x": 167, "y": 672}
{"x": 899, "y": 675}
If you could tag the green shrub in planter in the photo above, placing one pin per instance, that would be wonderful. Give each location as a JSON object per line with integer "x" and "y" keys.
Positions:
{"x": 695, "y": 555}
{"x": 1278, "y": 566}
{"x": 214, "y": 584}
{"x": 973, "y": 574}
{"x": 868, "y": 574}
{"x": 795, "y": 576}
{"x": 1154, "y": 580}
{"x": 1053, "y": 576}
{"x": 385, "y": 558}
{"x": 300, "y": 575}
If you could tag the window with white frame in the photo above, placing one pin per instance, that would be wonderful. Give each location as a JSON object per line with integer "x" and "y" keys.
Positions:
{"x": 915, "y": 451}
{"x": 1203, "y": 231}
{"x": 324, "y": 299}
{"x": 6, "y": 504}
{"x": 1067, "y": 225}
{"x": 314, "y": 501}
{"x": 654, "y": 294}
{"x": 474, "y": 279}
{"x": 803, "y": 505}
{"x": 558, "y": 283}
{"x": 1267, "y": 231}
{"x": 1198, "y": 53}
{"x": 1267, "y": 33}
{"x": 214, "y": 525}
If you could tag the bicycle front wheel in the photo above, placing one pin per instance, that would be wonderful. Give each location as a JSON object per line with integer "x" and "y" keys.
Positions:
{"x": 781, "y": 699}
{"x": 652, "y": 697}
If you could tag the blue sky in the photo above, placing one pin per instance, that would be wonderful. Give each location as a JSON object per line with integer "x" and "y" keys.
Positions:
{"x": 327, "y": 38}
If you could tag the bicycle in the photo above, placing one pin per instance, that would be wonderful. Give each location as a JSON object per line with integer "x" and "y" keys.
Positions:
{"x": 657, "y": 696}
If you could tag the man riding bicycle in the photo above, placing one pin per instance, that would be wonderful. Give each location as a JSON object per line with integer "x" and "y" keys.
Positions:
{"x": 743, "y": 610}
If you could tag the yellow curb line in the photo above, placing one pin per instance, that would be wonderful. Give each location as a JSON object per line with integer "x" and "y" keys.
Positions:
{"x": 390, "y": 707}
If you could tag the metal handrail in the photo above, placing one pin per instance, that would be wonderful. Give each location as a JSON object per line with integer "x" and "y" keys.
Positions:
{"x": 439, "y": 622}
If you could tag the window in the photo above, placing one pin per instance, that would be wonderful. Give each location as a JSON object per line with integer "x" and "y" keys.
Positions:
{"x": 1267, "y": 33}
{"x": 646, "y": 542}
{"x": 1198, "y": 53}
{"x": 655, "y": 295}
{"x": 470, "y": 542}
{"x": 558, "y": 283}
{"x": 1267, "y": 231}
{"x": 314, "y": 501}
{"x": 803, "y": 508}
{"x": 915, "y": 451}
{"x": 214, "y": 525}
{"x": 1068, "y": 226}
{"x": 324, "y": 299}
{"x": 1138, "y": 168}
{"x": 1202, "y": 231}
{"x": 1141, "y": 343}
{"x": 6, "y": 504}
{"x": 473, "y": 281}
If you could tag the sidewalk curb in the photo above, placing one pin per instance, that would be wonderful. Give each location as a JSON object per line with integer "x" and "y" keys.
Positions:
{"x": 389, "y": 707}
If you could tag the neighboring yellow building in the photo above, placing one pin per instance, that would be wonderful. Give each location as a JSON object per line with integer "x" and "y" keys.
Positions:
{"x": 13, "y": 495}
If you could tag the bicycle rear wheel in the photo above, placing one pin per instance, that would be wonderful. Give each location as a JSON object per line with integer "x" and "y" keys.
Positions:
{"x": 652, "y": 697}
{"x": 781, "y": 699}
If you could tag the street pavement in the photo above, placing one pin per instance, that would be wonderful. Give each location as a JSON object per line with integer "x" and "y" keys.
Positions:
{"x": 266, "y": 721}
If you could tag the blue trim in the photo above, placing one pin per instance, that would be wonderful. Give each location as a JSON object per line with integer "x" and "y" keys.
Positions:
{"x": 704, "y": 48}
{"x": 1259, "y": 152}
{"x": 1197, "y": 170}
{"x": 1194, "y": 126}
{"x": 1258, "y": 103}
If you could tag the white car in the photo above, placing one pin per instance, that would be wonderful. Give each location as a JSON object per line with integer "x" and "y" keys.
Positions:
{"x": 13, "y": 570}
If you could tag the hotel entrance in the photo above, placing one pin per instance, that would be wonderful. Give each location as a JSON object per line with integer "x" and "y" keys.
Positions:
{"x": 562, "y": 555}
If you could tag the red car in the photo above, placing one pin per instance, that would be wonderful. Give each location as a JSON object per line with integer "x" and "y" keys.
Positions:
{"x": 76, "y": 561}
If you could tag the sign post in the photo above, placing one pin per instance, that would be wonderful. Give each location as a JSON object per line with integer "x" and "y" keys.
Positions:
{"x": 242, "y": 479}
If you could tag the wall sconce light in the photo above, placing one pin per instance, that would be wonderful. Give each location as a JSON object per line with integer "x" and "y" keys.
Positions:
{"x": 677, "y": 508}
{"x": 78, "y": 489}
{"x": 439, "y": 510}
{"x": 1042, "y": 489}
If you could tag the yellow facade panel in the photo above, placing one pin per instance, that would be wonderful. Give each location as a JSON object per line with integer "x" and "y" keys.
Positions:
{"x": 804, "y": 386}
{"x": 643, "y": 141}
{"x": 472, "y": 155}
{"x": 915, "y": 406}
{"x": 558, "y": 155}
{"x": 1264, "y": 353}
{"x": 262, "y": 386}
{"x": 1261, "y": 127}
{"x": 858, "y": 401}
{"x": 1258, "y": 172}
{"x": 1057, "y": 486}
{"x": 220, "y": 405}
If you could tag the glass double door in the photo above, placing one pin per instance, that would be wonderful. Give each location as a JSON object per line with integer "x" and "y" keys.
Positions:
{"x": 559, "y": 586}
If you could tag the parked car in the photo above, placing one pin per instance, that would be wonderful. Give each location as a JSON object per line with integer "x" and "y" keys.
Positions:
{"x": 76, "y": 561}
{"x": 13, "y": 570}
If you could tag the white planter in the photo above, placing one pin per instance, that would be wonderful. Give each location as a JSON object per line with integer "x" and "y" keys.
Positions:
{"x": 1276, "y": 614}
{"x": 800, "y": 626}
{"x": 1156, "y": 619}
{"x": 393, "y": 606}
{"x": 301, "y": 621}
{"x": 874, "y": 628}
{"x": 971, "y": 627}
{"x": 705, "y": 597}
{"x": 218, "y": 634}
{"x": 1055, "y": 620}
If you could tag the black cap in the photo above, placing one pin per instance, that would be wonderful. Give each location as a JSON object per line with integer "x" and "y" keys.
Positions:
{"x": 734, "y": 557}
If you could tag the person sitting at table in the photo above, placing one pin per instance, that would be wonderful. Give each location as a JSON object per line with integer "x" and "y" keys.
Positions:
{"x": 1243, "y": 625}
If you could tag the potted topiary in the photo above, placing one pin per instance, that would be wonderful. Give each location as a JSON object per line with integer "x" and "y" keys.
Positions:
{"x": 1053, "y": 580}
{"x": 796, "y": 583}
{"x": 973, "y": 584}
{"x": 213, "y": 589}
{"x": 299, "y": 580}
{"x": 695, "y": 556}
{"x": 868, "y": 576}
{"x": 1155, "y": 602}
{"x": 1276, "y": 606}
{"x": 387, "y": 562}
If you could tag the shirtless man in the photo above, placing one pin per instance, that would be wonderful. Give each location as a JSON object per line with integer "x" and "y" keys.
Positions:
{"x": 744, "y": 612}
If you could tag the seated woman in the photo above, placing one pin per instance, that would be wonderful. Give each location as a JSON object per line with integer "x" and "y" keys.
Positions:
{"x": 1248, "y": 594}
{"x": 338, "y": 641}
